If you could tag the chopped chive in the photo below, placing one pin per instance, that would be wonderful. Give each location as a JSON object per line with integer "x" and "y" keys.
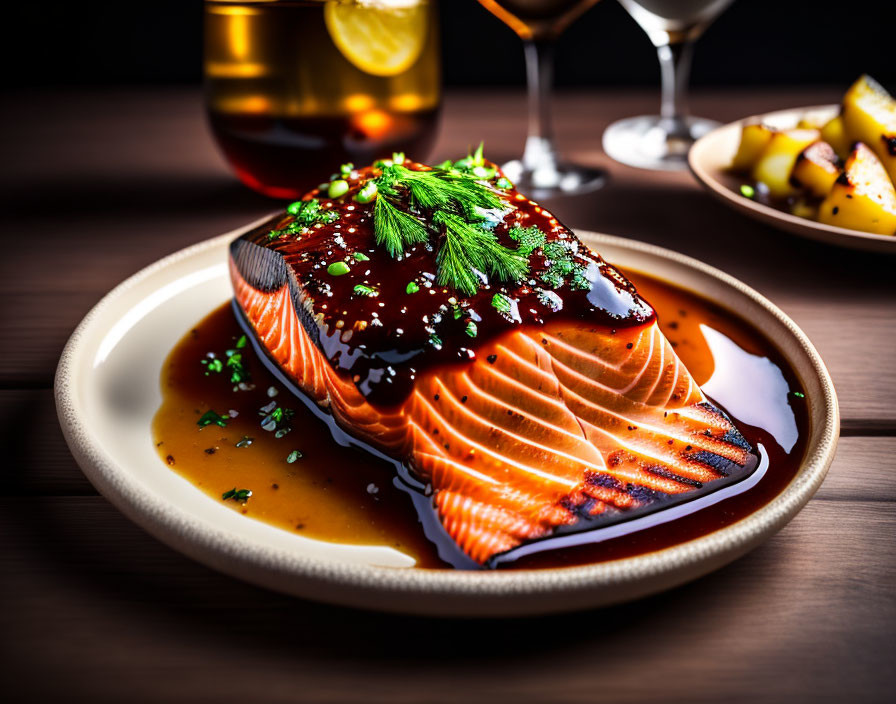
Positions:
{"x": 504, "y": 183}
{"x": 338, "y": 269}
{"x": 363, "y": 290}
{"x": 245, "y": 442}
{"x": 366, "y": 194}
{"x": 412, "y": 287}
{"x": 241, "y": 342}
{"x": 361, "y": 257}
{"x": 237, "y": 494}
{"x": 346, "y": 169}
{"x": 337, "y": 188}
{"x": 210, "y": 417}
{"x": 501, "y": 303}
{"x": 747, "y": 191}
{"x": 471, "y": 329}
{"x": 293, "y": 456}
{"x": 215, "y": 365}
{"x": 799, "y": 394}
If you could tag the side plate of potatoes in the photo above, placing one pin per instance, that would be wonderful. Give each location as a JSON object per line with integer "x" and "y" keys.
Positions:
{"x": 824, "y": 172}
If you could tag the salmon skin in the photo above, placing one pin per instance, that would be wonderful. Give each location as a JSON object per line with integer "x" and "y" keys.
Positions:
{"x": 518, "y": 413}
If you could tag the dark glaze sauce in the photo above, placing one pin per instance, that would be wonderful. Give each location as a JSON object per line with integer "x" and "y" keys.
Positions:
{"x": 382, "y": 341}
{"x": 344, "y": 495}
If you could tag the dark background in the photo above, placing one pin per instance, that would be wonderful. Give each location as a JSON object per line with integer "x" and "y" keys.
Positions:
{"x": 59, "y": 42}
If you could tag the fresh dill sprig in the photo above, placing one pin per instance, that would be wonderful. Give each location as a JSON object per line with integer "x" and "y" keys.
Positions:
{"x": 468, "y": 248}
{"x": 395, "y": 229}
{"x": 451, "y": 201}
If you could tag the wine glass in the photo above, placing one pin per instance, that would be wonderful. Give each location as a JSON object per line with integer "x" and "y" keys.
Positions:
{"x": 662, "y": 141}
{"x": 539, "y": 23}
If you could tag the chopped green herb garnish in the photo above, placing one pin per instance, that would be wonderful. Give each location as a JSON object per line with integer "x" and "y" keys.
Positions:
{"x": 412, "y": 287}
{"x": 346, "y": 169}
{"x": 361, "y": 257}
{"x": 530, "y": 239}
{"x": 337, "y": 188}
{"x": 435, "y": 341}
{"x": 241, "y": 495}
{"x": 238, "y": 372}
{"x": 245, "y": 442}
{"x": 471, "y": 329}
{"x": 562, "y": 266}
{"x": 367, "y": 193}
{"x": 450, "y": 202}
{"x": 210, "y": 417}
{"x": 276, "y": 419}
{"x": 501, "y": 303}
{"x": 233, "y": 364}
{"x": 213, "y": 365}
{"x": 747, "y": 191}
{"x": 799, "y": 394}
{"x": 306, "y": 213}
{"x": 363, "y": 290}
{"x": 293, "y": 456}
{"x": 504, "y": 183}
{"x": 338, "y": 269}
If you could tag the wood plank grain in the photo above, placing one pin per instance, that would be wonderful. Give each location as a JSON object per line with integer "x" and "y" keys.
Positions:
{"x": 104, "y": 612}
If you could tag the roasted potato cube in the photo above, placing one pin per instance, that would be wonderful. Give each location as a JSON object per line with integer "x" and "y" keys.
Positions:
{"x": 833, "y": 134}
{"x": 863, "y": 197}
{"x": 869, "y": 116}
{"x": 816, "y": 169}
{"x": 753, "y": 139}
{"x": 777, "y": 159}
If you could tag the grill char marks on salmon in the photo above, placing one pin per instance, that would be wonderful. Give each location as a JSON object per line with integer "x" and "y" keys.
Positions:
{"x": 565, "y": 409}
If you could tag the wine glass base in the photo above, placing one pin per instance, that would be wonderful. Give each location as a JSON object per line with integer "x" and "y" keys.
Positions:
{"x": 557, "y": 180}
{"x": 645, "y": 142}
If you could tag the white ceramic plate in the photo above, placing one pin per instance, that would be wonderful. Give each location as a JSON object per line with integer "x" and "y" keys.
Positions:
{"x": 107, "y": 391}
{"x": 709, "y": 159}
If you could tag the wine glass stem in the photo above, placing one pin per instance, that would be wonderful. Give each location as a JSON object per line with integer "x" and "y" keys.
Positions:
{"x": 539, "y": 153}
{"x": 675, "y": 68}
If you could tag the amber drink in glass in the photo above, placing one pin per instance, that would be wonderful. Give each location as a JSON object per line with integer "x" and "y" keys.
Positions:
{"x": 293, "y": 86}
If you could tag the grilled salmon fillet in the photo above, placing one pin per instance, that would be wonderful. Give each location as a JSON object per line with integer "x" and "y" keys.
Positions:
{"x": 528, "y": 408}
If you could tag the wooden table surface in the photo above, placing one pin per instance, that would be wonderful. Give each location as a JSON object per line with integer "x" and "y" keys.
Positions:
{"x": 97, "y": 184}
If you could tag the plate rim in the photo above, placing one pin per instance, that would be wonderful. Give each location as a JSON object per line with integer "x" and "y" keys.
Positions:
{"x": 439, "y": 592}
{"x": 794, "y": 224}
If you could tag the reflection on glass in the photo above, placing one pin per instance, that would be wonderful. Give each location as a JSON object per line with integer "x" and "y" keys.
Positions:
{"x": 539, "y": 172}
{"x": 296, "y": 86}
{"x": 662, "y": 141}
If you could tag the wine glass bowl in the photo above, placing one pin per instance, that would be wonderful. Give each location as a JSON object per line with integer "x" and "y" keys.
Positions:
{"x": 662, "y": 141}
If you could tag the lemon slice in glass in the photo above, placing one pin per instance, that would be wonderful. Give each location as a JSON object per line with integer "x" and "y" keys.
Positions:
{"x": 380, "y": 37}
